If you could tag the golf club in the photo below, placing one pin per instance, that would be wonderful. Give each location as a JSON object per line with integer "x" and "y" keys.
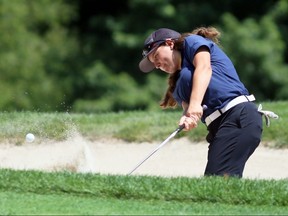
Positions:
{"x": 161, "y": 145}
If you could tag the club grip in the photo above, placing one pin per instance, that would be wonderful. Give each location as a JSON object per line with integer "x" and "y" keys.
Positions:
{"x": 180, "y": 128}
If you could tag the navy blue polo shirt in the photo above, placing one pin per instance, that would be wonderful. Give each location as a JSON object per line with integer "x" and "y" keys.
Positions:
{"x": 224, "y": 84}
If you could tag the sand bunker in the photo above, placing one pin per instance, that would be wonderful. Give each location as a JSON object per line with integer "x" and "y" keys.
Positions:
{"x": 179, "y": 157}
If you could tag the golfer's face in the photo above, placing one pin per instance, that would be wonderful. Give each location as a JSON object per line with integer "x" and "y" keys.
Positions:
{"x": 162, "y": 59}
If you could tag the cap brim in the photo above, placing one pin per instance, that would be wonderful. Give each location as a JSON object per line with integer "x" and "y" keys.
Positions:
{"x": 145, "y": 65}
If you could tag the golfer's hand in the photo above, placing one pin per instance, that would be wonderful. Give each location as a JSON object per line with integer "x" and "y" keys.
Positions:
{"x": 189, "y": 122}
{"x": 191, "y": 117}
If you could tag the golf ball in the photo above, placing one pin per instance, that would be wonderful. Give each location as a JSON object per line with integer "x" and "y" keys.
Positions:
{"x": 30, "y": 137}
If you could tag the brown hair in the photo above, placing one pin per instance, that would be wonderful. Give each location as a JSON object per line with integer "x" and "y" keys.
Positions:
{"x": 168, "y": 100}
{"x": 211, "y": 33}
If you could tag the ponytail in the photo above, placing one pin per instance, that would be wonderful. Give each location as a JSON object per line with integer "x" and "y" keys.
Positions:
{"x": 210, "y": 33}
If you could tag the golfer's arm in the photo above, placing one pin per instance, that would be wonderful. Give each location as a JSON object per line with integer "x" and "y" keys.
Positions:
{"x": 201, "y": 77}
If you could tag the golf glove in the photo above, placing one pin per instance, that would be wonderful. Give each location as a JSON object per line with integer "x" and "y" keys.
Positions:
{"x": 267, "y": 114}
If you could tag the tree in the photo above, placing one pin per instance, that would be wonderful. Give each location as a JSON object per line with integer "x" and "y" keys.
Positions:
{"x": 35, "y": 46}
{"x": 257, "y": 49}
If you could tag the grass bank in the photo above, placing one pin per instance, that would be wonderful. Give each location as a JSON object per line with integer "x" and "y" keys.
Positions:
{"x": 136, "y": 126}
{"x": 103, "y": 194}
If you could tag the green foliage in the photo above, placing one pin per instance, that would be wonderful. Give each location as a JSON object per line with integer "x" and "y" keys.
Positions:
{"x": 81, "y": 56}
{"x": 247, "y": 39}
{"x": 34, "y": 46}
{"x": 257, "y": 51}
{"x": 113, "y": 92}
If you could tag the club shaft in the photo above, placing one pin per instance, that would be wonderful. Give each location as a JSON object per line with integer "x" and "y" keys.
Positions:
{"x": 155, "y": 150}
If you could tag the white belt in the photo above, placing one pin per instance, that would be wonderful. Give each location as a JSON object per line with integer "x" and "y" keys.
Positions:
{"x": 232, "y": 103}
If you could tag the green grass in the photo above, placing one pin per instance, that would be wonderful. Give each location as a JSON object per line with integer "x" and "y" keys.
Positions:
{"x": 137, "y": 126}
{"x": 31, "y": 192}
{"x": 15, "y": 125}
{"x": 40, "y": 193}
{"x": 12, "y": 203}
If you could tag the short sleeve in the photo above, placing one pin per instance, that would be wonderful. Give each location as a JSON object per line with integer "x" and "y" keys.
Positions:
{"x": 194, "y": 42}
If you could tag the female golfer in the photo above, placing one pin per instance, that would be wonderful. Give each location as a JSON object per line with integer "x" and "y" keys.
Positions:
{"x": 203, "y": 80}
